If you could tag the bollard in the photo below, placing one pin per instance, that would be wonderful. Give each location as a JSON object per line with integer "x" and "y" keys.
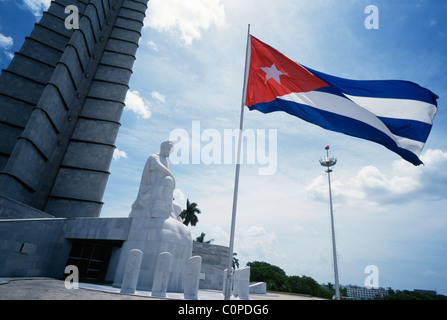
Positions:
{"x": 244, "y": 283}
{"x": 132, "y": 271}
{"x": 161, "y": 275}
{"x": 192, "y": 273}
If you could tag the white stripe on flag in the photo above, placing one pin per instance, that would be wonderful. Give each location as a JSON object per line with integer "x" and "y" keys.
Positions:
{"x": 397, "y": 108}
{"x": 347, "y": 108}
{"x": 411, "y": 145}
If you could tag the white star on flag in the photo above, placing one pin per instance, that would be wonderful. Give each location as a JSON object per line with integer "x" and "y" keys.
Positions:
{"x": 272, "y": 72}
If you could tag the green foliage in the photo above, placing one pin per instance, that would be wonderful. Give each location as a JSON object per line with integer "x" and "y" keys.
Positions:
{"x": 201, "y": 238}
{"x": 277, "y": 280}
{"x": 412, "y": 295}
{"x": 307, "y": 285}
{"x": 235, "y": 261}
{"x": 331, "y": 289}
{"x": 189, "y": 215}
{"x": 273, "y": 276}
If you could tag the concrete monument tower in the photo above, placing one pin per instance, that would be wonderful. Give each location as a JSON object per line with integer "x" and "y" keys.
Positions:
{"x": 61, "y": 100}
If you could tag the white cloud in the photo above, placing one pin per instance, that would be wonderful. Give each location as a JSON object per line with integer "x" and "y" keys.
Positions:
{"x": 152, "y": 45}
{"x": 371, "y": 187}
{"x": 118, "y": 154}
{"x": 158, "y": 96}
{"x": 5, "y": 42}
{"x": 180, "y": 198}
{"x": 37, "y": 6}
{"x": 256, "y": 243}
{"x": 185, "y": 18}
{"x": 135, "y": 103}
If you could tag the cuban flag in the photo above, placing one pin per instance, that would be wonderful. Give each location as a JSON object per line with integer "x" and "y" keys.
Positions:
{"x": 394, "y": 113}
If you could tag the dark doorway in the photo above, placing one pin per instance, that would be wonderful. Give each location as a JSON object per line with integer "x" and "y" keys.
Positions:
{"x": 92, "y": 258}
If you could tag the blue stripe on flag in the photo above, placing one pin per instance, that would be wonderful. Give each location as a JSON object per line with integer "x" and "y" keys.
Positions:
{"x": 411, "y": 129}
{"x": 338, "y": 123}
{"x": 396, "y": 89}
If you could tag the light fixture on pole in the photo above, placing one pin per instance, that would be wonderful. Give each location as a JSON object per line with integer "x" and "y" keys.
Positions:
{"x": 328, "y": 163}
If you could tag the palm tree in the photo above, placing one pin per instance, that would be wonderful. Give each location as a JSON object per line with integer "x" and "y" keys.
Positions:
{"x": 201, "y": 238}
{"x": 189, "y": 215}
{"x": 235, "y": 261}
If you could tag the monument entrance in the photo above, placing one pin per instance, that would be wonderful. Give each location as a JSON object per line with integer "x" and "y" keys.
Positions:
{"x": 91, "y": 257}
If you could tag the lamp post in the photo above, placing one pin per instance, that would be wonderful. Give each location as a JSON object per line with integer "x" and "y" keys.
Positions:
{"x": 328, "y": 163}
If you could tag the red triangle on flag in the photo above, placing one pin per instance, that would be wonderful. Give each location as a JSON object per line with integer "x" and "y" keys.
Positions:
{"x": 272, "y": 74}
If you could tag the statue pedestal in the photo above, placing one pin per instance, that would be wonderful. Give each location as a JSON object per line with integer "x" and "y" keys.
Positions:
{"x": 153, "y": 236}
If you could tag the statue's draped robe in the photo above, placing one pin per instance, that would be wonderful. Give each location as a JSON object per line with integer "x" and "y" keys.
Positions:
{"x": 156, "y": 189}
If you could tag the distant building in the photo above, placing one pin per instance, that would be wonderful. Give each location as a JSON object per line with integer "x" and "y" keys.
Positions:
{"x": 362, "y": 293}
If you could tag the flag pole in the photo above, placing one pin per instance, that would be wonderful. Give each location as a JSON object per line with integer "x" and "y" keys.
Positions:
{"x": 227, "y": 289}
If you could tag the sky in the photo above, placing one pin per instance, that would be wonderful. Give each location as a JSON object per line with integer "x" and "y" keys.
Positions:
{"x": 187, "y": 82}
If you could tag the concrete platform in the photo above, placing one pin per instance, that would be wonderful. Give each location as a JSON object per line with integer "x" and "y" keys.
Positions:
{"x": 54, "y": 289}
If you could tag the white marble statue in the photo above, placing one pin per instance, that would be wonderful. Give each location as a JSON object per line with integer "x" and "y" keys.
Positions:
{"x": 156, "y": 227}
{"x": 156, "y": 187}
{"x": 177, "y": 211}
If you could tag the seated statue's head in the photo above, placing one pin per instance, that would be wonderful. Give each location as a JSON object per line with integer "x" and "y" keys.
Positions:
{"x": 166, "y": 148}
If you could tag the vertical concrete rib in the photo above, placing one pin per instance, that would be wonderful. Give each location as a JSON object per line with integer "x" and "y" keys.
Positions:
{"x": 69, "y": 117}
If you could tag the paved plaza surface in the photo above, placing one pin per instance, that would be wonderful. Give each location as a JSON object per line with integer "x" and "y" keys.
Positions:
{"x": 54, "y": 289}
